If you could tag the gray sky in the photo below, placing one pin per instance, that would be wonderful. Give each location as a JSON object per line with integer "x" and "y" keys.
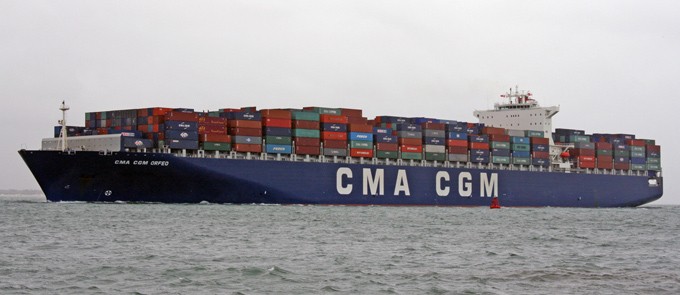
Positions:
{"x": 612, "y": 66}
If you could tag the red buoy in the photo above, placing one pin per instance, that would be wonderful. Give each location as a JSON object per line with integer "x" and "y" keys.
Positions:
{"x": 565, "y": 154}
{"x": 495, "y": 204}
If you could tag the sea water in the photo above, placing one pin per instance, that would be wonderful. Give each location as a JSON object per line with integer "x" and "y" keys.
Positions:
{"x": 85, "y": 248}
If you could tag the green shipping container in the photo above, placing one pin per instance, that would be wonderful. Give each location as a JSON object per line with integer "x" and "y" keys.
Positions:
{"x": 361, "y": 144}
{"x": 214, "y": 114}
{"x": 621, "y": 153}
{"x": 216, "y": 146}
{"x": 306, "y": 133}
{"x": 386, "y": 155}
{"x": 640, "y": 149}
{"x": 521, "y": 161}
{"x": 520, "y": 147}
{"x": 435, "y": 156}
{"x": 286, "y": 140}
{"x": 653, "y": 161}
{"x": 500, "y": 145}
{"x": 638, "y": 167}
{"x": 330, "y": 111}
{"x": 500, "y": 160}
{"x": 580, "y": 138}
{"x": 305, "y": 116}
{"x": 650, "y": 141}
{"x": 411, "y": 156}
{"x": 604, "y": 152}
{"x": 653, "y": 167}
{"x": 534, "y": 133}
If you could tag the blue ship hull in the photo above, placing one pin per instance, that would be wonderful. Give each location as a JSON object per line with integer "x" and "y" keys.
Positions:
{"x": 166, "y": 178}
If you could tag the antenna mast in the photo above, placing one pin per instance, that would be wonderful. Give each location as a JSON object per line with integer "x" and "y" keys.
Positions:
{"x": 62, "y": 122}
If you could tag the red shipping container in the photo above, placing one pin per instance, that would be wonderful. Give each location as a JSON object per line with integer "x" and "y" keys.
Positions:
{"x": 653, "y": 148}
{"x": 361, "y": 153}
{"x": 180, "y": 116}
{"x": 383, "y": 146}
{"x": 243, "y": 147}
{"x": 457, "y": 142}
{"x": 230, "y": 110}
{"x": 635, "y": 142}
{"x": 494, "y": 131}
{"x": 326, "y": 118}
{"x": 410, "y": 141}
{"x": 212, "y": 129}
{"x": 499, "y": 137}
{"x": 540, "y": 155}
{"x": 479, "y": 146}
{"x": 458, "y": 150}
{"x": 603, "y": 146}
{"x": 245, "y": 131}
{"x": 307, "y": 150}
{"x": 244, "y": 124}
{"x": 212, "y": 121}
{"x": 434, "y": 126}
{"x": 581, "y": 152}
{"x": 351, "y": 112}
{"x": 360, "y": 128}
{"x": 278, "y": 114}
{"x": 411, "y": 148}
{"x": 605, "y": 162}
{"x": 585, "y": 159}
{"x": 307, "y": 141}
{"x": 357, "y": 120}
{"x": 333, "y": 135}
{"x": 622, "y": 166}
{"x": 301, "y": 124}
{"x": 539, "y": 140}
{"x": 215, "y": 138}
{"x": 334, "y": 144}
{"x": 276, "y": 122}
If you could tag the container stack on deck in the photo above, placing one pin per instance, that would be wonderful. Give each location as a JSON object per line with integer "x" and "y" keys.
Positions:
{"x": 306, "y": 133}
{"x": 345, "y": 132}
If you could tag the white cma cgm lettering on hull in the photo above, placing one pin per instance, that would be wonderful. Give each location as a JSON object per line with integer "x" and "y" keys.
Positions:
{"x": 373, "y": 183}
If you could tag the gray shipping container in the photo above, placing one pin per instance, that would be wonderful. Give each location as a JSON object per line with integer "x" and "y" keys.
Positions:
{"x": 335, "y": 152}
{"x": 458, "y": 157}
{"x": 429, "y": 148}
{"x": 434, "y": 133}
{"x": 513, "y": 132}
{"x": 410, "y": 134}
{"x": 585, "y": 145}
{"x": 247, "y": 139}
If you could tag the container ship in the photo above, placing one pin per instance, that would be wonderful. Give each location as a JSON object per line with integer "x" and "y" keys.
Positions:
{"x": 336, "y": 156}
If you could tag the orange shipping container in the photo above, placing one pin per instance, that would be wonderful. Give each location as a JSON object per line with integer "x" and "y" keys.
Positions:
{"x": 493, "y": 130}
{"x": 215, "y": 138}
{"x": 383, "y": 146}
{"x": 457, "y": 142}
{"x": 361, "y": 153}
{"x": 434, "y": 126}
{"x": 334, "y": 144}
{"x": 245, "y": 131}
{"x": 333, "y": 135}
{"x": 351, "y": 112}
{"x": 212, "y": 129}
{"x": 410, "y": 141}
{"x": 276, "y": 122}
{"x": 539, "y": 140}
{"x": 499, "y": 137}
{"x": 308, "y": 150}
{"x": 244, "y": 124}
{"x": 212, "y": 121}
{"x": 278, "y": 114}
{"x": 360, "y": 128}
{"x": 243, "y": 147}
{"x": 326, "y": 118}
{"x": 302, "y": 124}
{"x": 479, "y": 146}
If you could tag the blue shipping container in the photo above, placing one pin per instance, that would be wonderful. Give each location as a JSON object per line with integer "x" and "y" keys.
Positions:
{"x": 457, "y": 135}
{"x": 479, "y": 138}
{"x": 479, "y": 159}
{"x": 278, "y": 149}
{"x": 434, "y": 140}
{"x": 540, "y": 148}
{"x": 540, "y": 162}
{"x": 378, "y": 130}
{"x": 277, "y": 131}
{"x": 182, "y": 144}
{"x": 638, "y": 160}
{"x": 250, "y": 116}
{"x": 181, "y": 134}
{"x": 485, "y": 153}
{"x": 181, "y": 125}
{"x": 500, "y": 152}
{"x": 335, "y": 127}
{"x": 409, "y": 127}
{"x": 386, "y": 138}
{"x": 360, "y": 136}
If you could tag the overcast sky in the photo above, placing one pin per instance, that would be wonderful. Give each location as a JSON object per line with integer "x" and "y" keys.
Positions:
{"x": 612, "y": 66}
